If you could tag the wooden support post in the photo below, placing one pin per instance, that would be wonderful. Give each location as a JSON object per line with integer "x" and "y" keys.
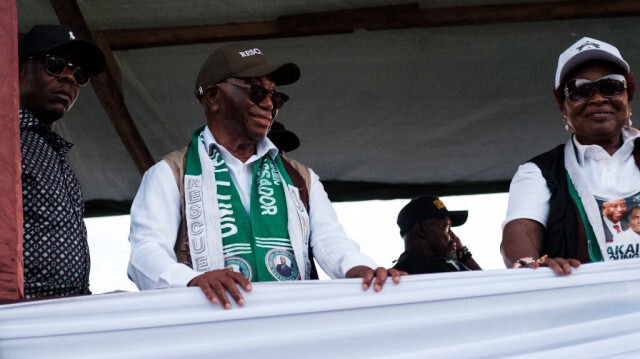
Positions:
{"x": 11, "y": 262}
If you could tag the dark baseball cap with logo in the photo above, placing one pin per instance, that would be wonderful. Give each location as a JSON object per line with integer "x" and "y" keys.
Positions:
{"x": 44, "y": 38}
{"x": 242, "y": 61}
{"x": 426, "y": 207}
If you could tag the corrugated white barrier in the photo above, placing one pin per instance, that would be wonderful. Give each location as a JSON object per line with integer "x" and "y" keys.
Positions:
{"x": 594, "y": 312}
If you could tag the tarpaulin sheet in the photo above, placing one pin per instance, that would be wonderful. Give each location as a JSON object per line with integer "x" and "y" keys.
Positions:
{"x": 593, "y": 312}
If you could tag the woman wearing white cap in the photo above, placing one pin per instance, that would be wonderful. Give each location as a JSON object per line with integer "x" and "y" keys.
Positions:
{"x": 555, "y": 216}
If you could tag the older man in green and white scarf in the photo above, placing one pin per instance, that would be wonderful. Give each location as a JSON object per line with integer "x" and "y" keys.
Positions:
{"x": 227, "y": 210}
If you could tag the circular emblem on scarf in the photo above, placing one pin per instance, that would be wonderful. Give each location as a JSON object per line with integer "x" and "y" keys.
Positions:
{"x": 282, "y": 265}
{"x": 239, "y": 265}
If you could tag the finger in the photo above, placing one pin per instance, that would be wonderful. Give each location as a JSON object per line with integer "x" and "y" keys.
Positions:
{"x": 202, "y": 283}
{"x": 367, "y": 277}
{"x": 557, "y": 266}
{"x": 564, "y": 264}
{"x": 241, "y": 280}
{"x": 234, "y": 292}
{"x": 208, "y": 292}
{"x": 566, "y": 267}
{"x": 456, "y": 239}
{"x": 552, "y": 264}
{"x": 220, "y": 292}
{"x": 231, "y": 286}
{"x": 381, "y": 277}
{"x": 396, "y": 274}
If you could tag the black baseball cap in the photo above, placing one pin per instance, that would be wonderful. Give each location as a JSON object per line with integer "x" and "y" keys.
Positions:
{"x": 43, "y": 38}
{"x": 242, "y": 61}
{"x": 284, "y": 139}
{"x": 422, "y": 208}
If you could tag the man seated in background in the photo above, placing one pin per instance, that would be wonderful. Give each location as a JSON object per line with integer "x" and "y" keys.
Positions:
{"x": 285, "y": 140}
{"x": 430, "y": 245}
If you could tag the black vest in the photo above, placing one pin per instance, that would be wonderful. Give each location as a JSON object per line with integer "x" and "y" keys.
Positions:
{"x": 561, "y": 237}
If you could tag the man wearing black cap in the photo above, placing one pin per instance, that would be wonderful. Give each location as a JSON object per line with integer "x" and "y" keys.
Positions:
{"x": 224, "y": 211}
{"x": 285, "y": 140}
{"x": 430, "y": 245}
{"x": 53, "y": 64}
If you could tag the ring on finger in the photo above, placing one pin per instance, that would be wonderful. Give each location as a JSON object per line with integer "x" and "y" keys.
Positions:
{"x": 542, "y": 259}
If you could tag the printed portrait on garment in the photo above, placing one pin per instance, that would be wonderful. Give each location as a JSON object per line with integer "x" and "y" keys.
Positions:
{"x": 622, "y": 241}
{"x": 282, "y": 265}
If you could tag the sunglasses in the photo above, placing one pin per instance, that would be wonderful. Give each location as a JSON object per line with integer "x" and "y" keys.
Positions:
{"x": 56, "y": 65}
{"x": 607, "y": 86}
{"x": 258, "y": 93}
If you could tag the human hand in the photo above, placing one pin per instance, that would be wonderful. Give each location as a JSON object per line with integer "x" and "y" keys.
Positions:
{"x": 217, "y": 283}
{"x": 456, "y": 239}
{"x": 367, "y": 274}
{"x": 561, "y": 265}
{"x": 558, "y": 265}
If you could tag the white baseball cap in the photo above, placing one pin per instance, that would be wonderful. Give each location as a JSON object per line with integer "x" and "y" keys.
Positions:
{"x": 584, "y": 50}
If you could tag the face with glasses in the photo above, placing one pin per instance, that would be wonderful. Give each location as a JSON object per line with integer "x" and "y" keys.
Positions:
{"x": 596, "y": 103}
{"x": 246, "y": 108}
{"x": 49, "y": 85}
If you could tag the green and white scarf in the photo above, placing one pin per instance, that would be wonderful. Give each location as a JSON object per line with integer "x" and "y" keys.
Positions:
{"x": 585, "y": 200}
{"x": 257, "y": 246}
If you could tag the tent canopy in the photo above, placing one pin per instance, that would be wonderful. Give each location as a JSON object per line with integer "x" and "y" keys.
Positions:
{"x": 396, "y": 98}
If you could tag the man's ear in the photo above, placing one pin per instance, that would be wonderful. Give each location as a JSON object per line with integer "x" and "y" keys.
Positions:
{"x": 211, "y": 97}
{"x": 417, "y": 228}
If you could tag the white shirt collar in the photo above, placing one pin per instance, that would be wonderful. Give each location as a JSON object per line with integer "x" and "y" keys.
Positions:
{"x": 609, "y": 223}
{"x": 598, "y": 153}
{"x": 265, "y": 146}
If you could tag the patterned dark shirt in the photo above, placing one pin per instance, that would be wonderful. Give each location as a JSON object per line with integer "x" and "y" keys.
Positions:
{"x": 414, "y": 262}
{"x": 56, "y": 252}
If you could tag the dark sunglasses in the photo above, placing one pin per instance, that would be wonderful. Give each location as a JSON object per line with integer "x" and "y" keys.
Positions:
{"x": 258, "y": 93}
{"x": 608, "y": 86}
{"x": 56, "y": 65}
